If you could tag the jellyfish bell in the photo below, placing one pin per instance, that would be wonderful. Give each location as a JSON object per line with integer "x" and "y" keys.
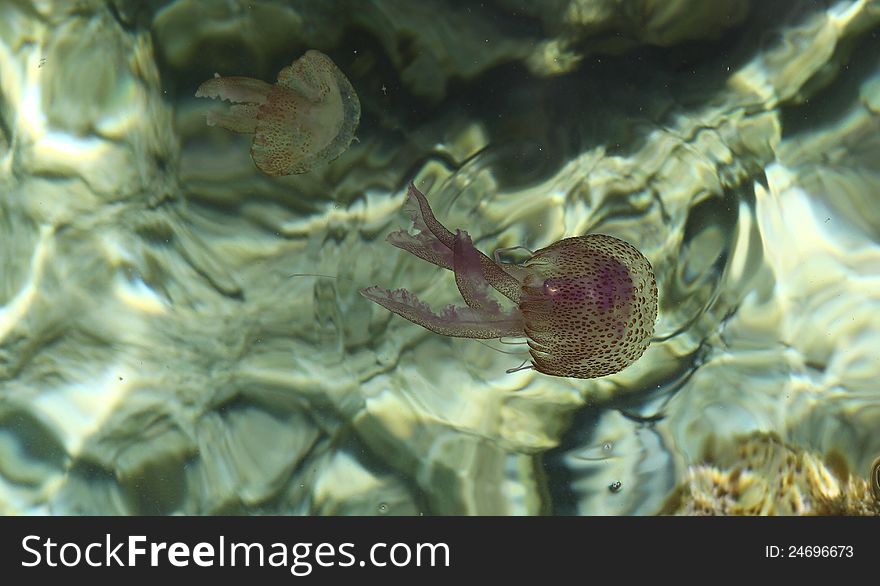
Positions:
{"x": 587, "y": 305}
{"x": 308, "y": 117}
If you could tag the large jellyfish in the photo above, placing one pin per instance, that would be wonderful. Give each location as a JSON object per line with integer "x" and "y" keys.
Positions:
{"x": 586, "y": 305}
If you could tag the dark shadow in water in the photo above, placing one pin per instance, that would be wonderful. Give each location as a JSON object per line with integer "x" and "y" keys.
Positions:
{"x": 860, "y": 58}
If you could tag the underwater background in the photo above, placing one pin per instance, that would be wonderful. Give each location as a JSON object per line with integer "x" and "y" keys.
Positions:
{"x": 166, "y": 348}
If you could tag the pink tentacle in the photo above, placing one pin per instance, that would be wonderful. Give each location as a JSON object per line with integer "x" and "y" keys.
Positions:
{"x": 427, "y": 248}
{"x": 424, "y": 243}
{"x": 469, "y": 275}
{"x": 458, "y": 322}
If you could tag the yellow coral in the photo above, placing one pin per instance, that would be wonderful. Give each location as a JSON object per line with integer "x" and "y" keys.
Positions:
{"x": 762, "y": 475}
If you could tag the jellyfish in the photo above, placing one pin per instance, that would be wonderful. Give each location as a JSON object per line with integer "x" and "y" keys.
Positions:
{"x": 307, "y": 118}
{"x": 586, "y": 305}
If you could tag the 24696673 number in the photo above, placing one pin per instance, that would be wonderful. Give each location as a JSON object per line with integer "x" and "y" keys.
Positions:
{"x": 819, "y": 551}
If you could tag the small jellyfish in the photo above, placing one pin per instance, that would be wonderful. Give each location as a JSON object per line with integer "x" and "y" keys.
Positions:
{"x": 307, "y": 118}
{"x": 587, "y": 304}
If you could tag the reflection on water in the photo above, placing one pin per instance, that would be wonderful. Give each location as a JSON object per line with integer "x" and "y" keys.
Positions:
{"x": 162, "y": 349}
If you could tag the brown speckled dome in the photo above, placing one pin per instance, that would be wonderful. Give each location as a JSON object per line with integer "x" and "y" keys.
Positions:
{"x": 589, "y": 305}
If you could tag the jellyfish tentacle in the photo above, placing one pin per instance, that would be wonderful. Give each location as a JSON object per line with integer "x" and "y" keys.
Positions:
{"x": 457, "y": 322}
{"x": 426, "y": 217}
{"x": 246, "y": 94}
{"x": 424, "y": 243}
{"x": 425, "y": 247}
{"x": 526, "y": 365}
{"x": 234, "y": 88}
{"x": 500, "y": 280}
{"x": 240, "y": 118}
{"x": 469, "y": 276}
